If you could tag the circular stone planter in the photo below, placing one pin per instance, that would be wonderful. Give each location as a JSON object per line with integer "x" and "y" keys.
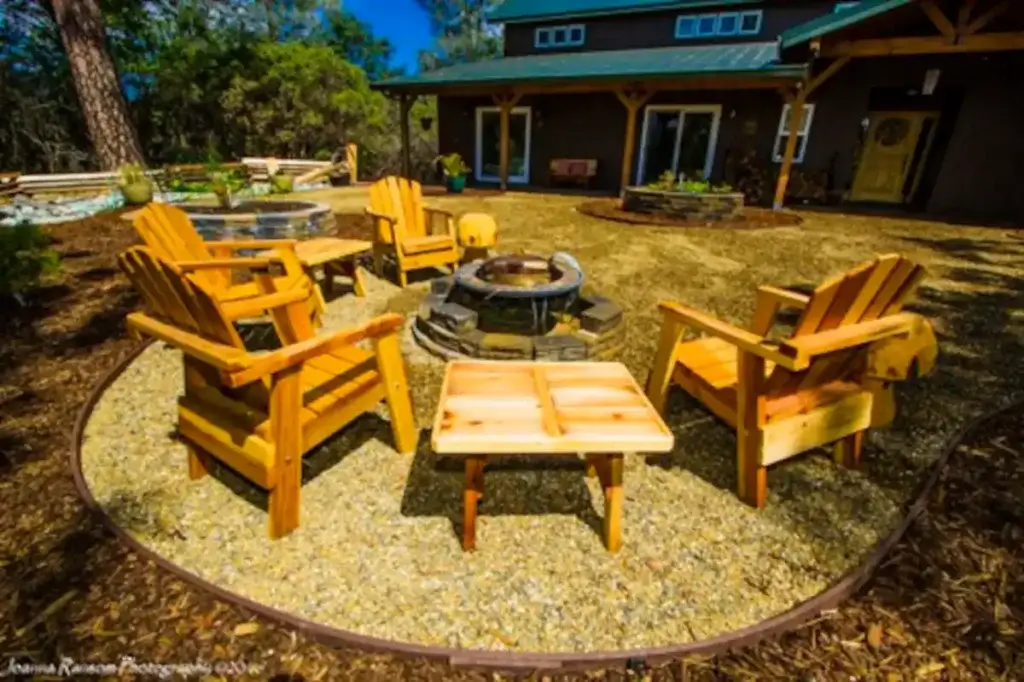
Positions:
{"x": 709, "y": 207}
{"x": 260, "y": 219}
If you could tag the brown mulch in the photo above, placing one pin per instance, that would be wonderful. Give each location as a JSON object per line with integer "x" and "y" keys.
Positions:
{"x": 947, "y": 604}
{"x": 754, "y": 218}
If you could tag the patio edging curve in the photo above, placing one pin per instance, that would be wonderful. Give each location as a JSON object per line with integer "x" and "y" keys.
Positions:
{"x": 839, "y": 591}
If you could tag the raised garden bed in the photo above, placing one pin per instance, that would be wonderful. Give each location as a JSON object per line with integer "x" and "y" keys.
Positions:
{"x": 749, "y": 218}
{"x": 699, "y": 206}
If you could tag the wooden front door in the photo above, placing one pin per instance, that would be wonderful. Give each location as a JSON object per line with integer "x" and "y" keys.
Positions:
{"x": 888, "y": 156}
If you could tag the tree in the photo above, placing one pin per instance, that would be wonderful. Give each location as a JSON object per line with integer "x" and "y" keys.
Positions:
{"x": 462, "y": 33}
{"x": 103, "y": 105}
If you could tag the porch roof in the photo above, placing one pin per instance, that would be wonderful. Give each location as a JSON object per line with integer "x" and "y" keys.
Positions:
{"x": 755, "y": 60}
{"x": 535, "y": 10}
{"x": 829, "y": 23}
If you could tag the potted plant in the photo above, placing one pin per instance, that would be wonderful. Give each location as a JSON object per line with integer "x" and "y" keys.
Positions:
{"x": 135, "y": 186}
{"x": 280, "y": 182}
{"x": 455, "y": 171}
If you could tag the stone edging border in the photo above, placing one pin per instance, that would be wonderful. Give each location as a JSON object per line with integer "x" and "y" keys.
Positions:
{"x": 843, "y": 588}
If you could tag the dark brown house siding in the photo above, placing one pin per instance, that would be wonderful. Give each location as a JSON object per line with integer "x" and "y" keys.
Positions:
{"x": 657, "y": 29}
{"x": 975, "y": 167}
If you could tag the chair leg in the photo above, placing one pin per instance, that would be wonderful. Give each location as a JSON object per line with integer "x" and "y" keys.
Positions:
{"x": 378, "y": 261}
{"x": 752, "y": 475}
{"x": 198, "y": 462}
{"x": 403, "y": 279}
{"x": 286, "y": 433}
{"x": 848, "y": 450}
{"x": 396, "y": 391}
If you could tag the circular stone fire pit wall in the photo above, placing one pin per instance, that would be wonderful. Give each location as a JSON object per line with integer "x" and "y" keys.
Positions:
{"x": 711, "y": 206}
{"x": 260, "y": 220}
{"x": 485, "y": 311}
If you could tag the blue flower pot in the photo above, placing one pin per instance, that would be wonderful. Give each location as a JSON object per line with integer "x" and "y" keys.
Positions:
{"x": 455, "y": 184}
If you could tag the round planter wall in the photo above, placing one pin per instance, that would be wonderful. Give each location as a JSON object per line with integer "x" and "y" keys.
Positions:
{"x": 684, "y": 205}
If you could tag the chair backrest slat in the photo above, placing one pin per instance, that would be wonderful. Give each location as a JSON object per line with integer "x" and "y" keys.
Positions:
{"x": 168, "y": 231}
{"x": 403, "y": 200}
{"x": 869, "y": 291}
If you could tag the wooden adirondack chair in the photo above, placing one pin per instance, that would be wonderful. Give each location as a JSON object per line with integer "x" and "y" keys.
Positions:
{"x": 260, "y": 413}
{"x": 827, "y": 383}
{"x": 168, "y": 231}
{"x": 403, "y": 229}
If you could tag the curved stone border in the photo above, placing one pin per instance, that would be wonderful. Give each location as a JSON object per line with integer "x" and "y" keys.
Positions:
{"x": 608, "y": 209}
{"x": 706, "y": 206}
{"x": 843, "y": 588}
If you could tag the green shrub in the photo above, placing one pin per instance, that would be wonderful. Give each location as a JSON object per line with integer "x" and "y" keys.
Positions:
{"x": 667, "y": 182}
{"x": 25, "y": 258}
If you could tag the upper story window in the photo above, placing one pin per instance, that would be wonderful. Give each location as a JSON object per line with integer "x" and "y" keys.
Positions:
{"x": 559, "y": 36}
{"x": 843, "y": 6}
{"x": 721, "y": 24}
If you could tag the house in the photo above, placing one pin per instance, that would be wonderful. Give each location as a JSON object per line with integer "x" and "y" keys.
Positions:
{"x": 907, "y": 102}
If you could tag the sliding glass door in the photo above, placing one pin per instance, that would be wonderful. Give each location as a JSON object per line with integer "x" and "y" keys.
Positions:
{"x": 488, "y": 145}
{"x": 680, "y": 139}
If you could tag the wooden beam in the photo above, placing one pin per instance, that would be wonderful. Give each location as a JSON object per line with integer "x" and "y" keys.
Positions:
{"x": 986, "y": 18}
{"x": 829, "y": 71}
{"x": 506, "y": 103}
{"x": 796, "y": 108}
{"x": 884, "y": 47}
{"x": 633, "y": 101}
{"x": 938, "y": 18}
{"x": 964, "y": 16}
{"x": 404, "y": 105}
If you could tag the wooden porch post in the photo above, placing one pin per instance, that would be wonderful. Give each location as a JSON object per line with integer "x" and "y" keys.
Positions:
{"x": 633, "y": 101}
{"x": 796, "y": 108}
{"x": 505, "y": 104}
{"x": 404, "y": 105}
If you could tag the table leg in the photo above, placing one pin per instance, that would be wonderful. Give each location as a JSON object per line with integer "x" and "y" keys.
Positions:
{"x": 472, "y": 492}
{"x": 611, "y": 480}
{"x": 352, "y": 270}
{"x": 327, "y": 285}
{"x": 591, "y": 467}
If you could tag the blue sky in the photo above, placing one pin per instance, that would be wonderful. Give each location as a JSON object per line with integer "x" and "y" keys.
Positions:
{"x": 400, "y": 21}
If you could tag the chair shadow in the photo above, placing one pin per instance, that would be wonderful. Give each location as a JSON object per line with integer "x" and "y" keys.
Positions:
{"x": 514, "y": 485}
{"x": 315, "y": 463}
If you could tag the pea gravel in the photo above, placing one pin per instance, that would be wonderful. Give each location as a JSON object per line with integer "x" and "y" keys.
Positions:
{"x": 377, "y": 552}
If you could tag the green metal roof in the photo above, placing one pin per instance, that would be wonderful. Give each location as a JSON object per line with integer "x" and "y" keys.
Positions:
{"x": 533, "y": 10}
{"x": 829, "y": 23}
{"x": 740, "y": 59}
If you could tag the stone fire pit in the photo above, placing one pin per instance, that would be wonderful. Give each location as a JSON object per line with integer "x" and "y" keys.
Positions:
{"x": 521, "y": 307}
{"x": 703, "y": 206}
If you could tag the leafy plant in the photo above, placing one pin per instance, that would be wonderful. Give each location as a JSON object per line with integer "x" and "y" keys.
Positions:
{"x": 667, "y": 182}
{"x": 453, "y": 165}
{"x": 132, "y": 173}
{"x": 25, "y": 258}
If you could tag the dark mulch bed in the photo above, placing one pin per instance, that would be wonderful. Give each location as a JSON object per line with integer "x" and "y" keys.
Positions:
{"x": 947, "y": 604}
{"x": 753, "y": 217}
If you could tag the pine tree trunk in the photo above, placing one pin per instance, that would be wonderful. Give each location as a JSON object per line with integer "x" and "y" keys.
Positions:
{"x": 99, "y": 92}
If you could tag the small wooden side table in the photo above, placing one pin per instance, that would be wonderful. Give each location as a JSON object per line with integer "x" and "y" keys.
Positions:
{"x": 596, "y": 408}
{"x": 336, "y": 257}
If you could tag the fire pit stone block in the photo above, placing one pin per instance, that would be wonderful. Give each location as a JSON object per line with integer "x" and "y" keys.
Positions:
{"x": 601, "y": 317}
{"x": 563, "y": 348}
{"x": 454, "y": 317}
{"x": 506, "y": 346}
{"x": 441, "y": 286}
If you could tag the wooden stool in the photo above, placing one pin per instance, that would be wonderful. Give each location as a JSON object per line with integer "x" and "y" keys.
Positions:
{"x": 478, "y": 234}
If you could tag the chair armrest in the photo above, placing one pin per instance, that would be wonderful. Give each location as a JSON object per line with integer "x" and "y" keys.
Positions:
{"x": 392, "y": 222}
{"x": 256, "y": 305}
{"x": 224, "y": 358}
{"x": 298, "y": 353}
{"x": 741, "y": 338}
{"x": 225, "y": 263}
{"x": 784, "y": 297}
{"x": 803, "y": 348}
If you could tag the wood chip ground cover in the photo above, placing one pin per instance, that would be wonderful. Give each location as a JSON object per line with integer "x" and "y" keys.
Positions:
{"x": 937, "y": 615}
{"x": 377, "y": 553}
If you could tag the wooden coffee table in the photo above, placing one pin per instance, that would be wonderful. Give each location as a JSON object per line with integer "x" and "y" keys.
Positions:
{"x": 336, "y": 257}
{"x": 500, "y": 408}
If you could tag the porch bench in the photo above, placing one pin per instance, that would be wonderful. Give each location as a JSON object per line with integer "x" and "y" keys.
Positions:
{"x": 578, "y": 171}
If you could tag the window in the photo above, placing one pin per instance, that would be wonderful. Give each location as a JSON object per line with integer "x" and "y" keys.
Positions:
{"x": 686, "y": 27}
{"x": 750, "y": 23}
{"x": 559, "y": 36}
{"x": 843, "y": 6}
{"x": 801, "y": 134}
{"x": 728, "y": 24}
{"x": 707, "y": 25}
{"x": 721, "y": 24}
